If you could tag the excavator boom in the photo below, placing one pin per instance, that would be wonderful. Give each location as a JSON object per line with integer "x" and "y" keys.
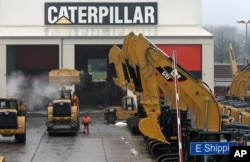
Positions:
{"x": 234, "y": 87}
{"x": 233, "y": 62}
{"x": 115, "y": 59}
{"x": 149, "y": 56}
{"x": 145, "y": 83}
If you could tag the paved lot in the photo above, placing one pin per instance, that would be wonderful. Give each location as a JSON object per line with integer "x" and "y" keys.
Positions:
{"x": 105, "y": 143}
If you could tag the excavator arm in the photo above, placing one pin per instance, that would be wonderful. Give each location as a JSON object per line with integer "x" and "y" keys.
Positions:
{"x": 234, "y": 87}
{"x": 233, "y": 62}
{"x": 143, "y": 76}
{"x": 238, "y": 87}
{"x": 168, "y": 90}
{"x": 115, "y": 59}
{"x": 123, "y": 78}
{"x": 151, "y": 60}
{"x": 243, "y": 87}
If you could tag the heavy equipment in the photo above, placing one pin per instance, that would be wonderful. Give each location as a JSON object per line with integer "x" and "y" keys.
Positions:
{"x": 62, "y": 114}
{"x": 235, "y": 109}
{"x": 2, "y": 159}
{"x": 238, "y": 79}
{"x": 147, "y": 64}
{"x": 13, "y": 119}
{"x": 124, "y": 78}
{"x": 239, "y": 88}
{"x": 234, "y": 68}
{"x": 235, "y": 105}
{"x": 128, "y": 108}
{"x": 244, "y": 117}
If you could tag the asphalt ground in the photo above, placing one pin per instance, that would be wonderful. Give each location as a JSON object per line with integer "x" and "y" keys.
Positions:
{"x": 105, "y": 143}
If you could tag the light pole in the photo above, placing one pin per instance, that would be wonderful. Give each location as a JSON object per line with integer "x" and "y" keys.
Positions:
{"x": 246, "y": 53}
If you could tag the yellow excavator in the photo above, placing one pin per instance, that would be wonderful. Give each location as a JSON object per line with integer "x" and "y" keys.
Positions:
{"x": 62, "y": 114}
{"x": 13, "y": 119}
{"x": 235, "y": 108}
{"x": 125, "y": 81}
{"x": 244, "y": 117}
{"x": 239, "y": 88}
{"x": 128, "y": 108}
{"x": 147, "y": 64}
{"x": 124, "y": 77}
{"x": 237, "y": 79}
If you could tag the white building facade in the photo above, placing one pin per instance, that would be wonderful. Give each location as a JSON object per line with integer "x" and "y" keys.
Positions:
{"x": 61, "y": 26}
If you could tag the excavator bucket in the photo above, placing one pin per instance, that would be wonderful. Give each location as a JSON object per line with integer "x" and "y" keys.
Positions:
{"x": 64, "y": 76}
{"x": 149, "y": 126}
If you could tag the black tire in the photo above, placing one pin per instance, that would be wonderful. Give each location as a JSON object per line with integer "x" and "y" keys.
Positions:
{"x": 51, "y": 134}
{"x": 20, "y": 138}
{"x": 111, "y": 117}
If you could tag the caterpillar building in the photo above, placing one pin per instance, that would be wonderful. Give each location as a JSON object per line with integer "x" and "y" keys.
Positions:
{"x": 37, "y": 36}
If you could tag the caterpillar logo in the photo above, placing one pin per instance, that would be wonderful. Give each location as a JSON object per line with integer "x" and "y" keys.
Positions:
{"x": 101, "y": 13}
{"x": 167, "y": 73}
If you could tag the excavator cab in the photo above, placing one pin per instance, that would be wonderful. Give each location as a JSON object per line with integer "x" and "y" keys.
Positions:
{"x": 128, "y": 103}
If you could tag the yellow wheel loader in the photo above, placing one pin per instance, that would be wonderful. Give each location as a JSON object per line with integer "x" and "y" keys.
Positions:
{"x": 62, "y": 114}
{"x": 13, "y": 119}
{"x": 127, "y": 110}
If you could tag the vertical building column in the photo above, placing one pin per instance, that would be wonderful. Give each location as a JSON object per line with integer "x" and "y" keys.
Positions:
{"x": 67, "y": 59}
{"x": 208, "y": 64}
{"x": 3, "y": 70}
{"x": 67, "y": 56}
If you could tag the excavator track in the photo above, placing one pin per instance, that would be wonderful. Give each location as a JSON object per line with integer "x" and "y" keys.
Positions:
{"x": 171, "y": 157}
{"x": 158, "y": 148}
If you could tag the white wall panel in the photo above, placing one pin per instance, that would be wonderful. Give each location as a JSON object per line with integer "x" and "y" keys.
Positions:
{"x": 3, "y": 70}
{"x": 31, "y": 12}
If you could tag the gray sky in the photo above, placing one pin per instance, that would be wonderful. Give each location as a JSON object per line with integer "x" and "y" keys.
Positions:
{"x": 225, "y": 12}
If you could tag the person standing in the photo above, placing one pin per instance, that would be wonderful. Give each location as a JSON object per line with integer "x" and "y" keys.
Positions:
{"x": 75, "y": 100}
{"x": 85, "y": 121}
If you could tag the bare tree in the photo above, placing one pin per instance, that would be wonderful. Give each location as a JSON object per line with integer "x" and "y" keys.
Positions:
{"x": 223, "y": 35}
